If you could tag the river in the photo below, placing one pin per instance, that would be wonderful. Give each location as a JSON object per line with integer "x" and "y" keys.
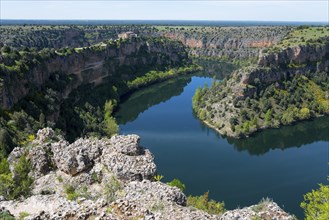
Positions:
{"x": 281, "y": 164}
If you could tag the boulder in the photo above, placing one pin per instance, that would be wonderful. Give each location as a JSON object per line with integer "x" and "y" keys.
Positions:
{"x": 129, "y": 168}
{"x": 128, "y": 144}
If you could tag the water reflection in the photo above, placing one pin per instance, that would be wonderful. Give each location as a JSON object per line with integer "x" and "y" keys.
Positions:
{"x": 143, "y": 99}
{"x": 215, "y": 68}
{"x": 286, "y": 137}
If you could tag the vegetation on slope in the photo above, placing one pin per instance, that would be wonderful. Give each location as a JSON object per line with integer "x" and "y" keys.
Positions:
{"x": 266, "y": 104}
{"x": 88, "y": 109}
{"x": 316, "y": 203}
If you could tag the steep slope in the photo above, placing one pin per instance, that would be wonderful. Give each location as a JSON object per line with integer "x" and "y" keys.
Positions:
{"x": 288, "y": 84}
{"x": 105, "y": 179}
{"x": 226, "y": 42}
{"x": 68, "y": 88}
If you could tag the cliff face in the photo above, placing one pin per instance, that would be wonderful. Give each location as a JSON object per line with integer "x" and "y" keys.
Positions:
{"x": 233, "y": 42}
{"x": 278, "y": 66}
{"x": 285, "y": 86}
{"x": 91, "y": 65}
{"x": 108, "y": 179}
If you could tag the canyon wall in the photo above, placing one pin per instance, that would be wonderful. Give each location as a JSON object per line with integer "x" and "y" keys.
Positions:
{"x": 92, "y": 64}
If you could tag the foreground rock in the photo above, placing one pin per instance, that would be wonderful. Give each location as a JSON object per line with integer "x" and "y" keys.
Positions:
{"x": 105, "y": 179}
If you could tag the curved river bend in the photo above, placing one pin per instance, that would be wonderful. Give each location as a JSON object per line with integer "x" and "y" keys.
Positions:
{"x": 282, "y": 164}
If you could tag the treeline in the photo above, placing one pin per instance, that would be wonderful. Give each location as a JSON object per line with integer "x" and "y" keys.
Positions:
{"x": 153, "y": 76}
{"x": 54, "y": 36}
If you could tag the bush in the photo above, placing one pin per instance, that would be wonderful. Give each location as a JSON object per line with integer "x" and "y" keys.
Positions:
{"x": 13, "y": 187}
{"x": 111, "y": 188}
{"x": 6, "y": 216}
{"x": 316, "y": 204}
{"x": 203, "y": 203}
{"x": 178, "y": 184}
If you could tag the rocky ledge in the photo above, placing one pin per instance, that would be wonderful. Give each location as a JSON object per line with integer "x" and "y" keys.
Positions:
{"x": 105, "y": 179}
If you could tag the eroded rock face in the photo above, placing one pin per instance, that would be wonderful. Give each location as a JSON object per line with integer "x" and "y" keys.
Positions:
{"x": 264, "y": 210}
{"x": 128, "y": 145}
{"x": 148, "y": 191}
{"x": 121, "y": 154}
{"x": 79, "y": 156}
{"x": 107, "y": 179}
{"x": 128, "y": 167}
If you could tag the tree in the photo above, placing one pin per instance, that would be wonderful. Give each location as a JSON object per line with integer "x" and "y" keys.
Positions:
{"x": 110, "y": 123}
{"x": 178, "y": 184}
{"x": 304, "y": 113}
{"x": 246, "y": 127}
{"x": 268, "y": 116}
{"x": 6, "y": 143}
{"x": 316, "y": 204}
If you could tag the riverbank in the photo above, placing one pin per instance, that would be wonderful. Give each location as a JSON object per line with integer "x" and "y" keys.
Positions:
{"x": 287, "y": 85}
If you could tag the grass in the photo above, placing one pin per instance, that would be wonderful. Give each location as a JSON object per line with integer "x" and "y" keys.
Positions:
{"x": 261, "y": 206}
{"x": 300, "y": 36}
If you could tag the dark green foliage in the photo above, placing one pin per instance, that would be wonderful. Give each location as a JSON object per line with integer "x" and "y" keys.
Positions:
{"x": 178, "y": 184}
{"x": 316, "y": 204}
{"x": 299, "y": 97}
{"x": 17, "y": 185}
{"x": 110, "y": 123}
{"x": 6, "y": 144}
{"x": 203, "y": 203}
{"x": 6, "y": 216}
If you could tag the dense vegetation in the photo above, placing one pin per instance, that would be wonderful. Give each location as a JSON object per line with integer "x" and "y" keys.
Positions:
{"x": 60, "y": 36}
{"x": 316, "y": 204}
{"x": 296, "y": 97}
{"x": 88, "y": 110}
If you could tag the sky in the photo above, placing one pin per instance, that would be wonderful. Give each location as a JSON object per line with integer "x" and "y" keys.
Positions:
{"x": 266, "y": 10}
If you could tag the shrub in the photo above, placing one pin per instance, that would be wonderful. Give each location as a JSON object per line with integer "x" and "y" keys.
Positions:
{"x": 111, "y": 188}
{"x": 22, "y": 215}
{"x": 178, "y": 184}
{"x": 203, "y": 203}
{"x": 70, "y": 192}
{"x": 6, "y": 216}
{"x": 12, "y": 187}
{"x": 316, "y": 203}
{"x": 158, "y": 177}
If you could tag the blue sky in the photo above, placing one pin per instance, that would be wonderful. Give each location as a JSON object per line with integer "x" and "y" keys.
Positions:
{"x": 266, "y": 10}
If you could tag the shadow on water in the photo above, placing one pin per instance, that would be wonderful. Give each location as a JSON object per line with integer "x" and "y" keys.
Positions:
{"x": 286, "y": 137}
{"x": 134, "y": 104}
{"x": 143, "y": 99}
{"x": 161, "y": 114}
{"x": 297, "y": 135}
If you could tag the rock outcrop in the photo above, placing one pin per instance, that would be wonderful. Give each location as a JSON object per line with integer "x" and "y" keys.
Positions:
{"x": 92, "y": 65}
{"x": 276, "y": 85}
{"x": 232, "y": 42}
{"x": 105, "y": 179}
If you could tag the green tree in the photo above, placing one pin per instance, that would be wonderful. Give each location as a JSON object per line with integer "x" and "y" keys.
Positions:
{"x": 177, "y": 183}
{"x": 203, "y": 203}
{"x": 304, "y": 113}
{"x": 246, "y": 127}
{"x": 21, "y": 178}
{"x": 6, "y": 143}
{"x": 316, "y": 204}
{"x": 111, "y": 126}
{"x": 268, "y": 117}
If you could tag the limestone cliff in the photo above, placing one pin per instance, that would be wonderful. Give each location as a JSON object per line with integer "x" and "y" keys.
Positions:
{"x": 286, "y": 85}
{"x": 106, "y": 179}
{"x": 232, "y": 42}
{"x": 91, "y": 65}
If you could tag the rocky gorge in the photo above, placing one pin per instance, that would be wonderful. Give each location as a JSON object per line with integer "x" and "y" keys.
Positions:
{"x": 227, "y": 42}
{"x": 90, "y": 65}
{"x": 255, "y": 97}
{"x": 105, "y": 179}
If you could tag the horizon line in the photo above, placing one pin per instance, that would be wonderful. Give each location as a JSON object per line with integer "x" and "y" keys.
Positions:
{"x": 92, "y": 19}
